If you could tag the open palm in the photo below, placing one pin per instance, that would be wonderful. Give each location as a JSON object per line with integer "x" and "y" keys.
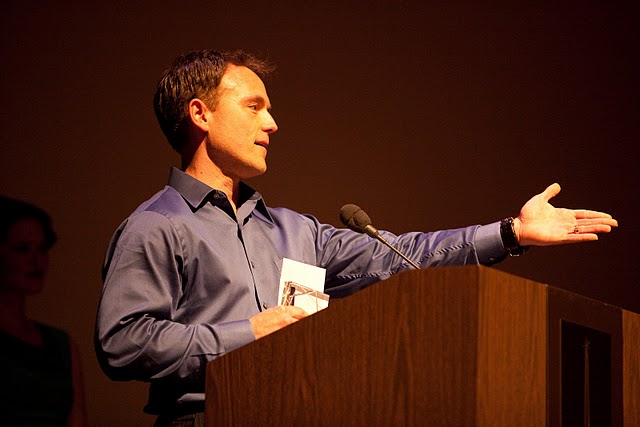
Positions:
{"x": 542, "y": 224}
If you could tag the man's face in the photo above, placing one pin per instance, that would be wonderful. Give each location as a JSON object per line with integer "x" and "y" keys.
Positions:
{"x": 240, "y": 125}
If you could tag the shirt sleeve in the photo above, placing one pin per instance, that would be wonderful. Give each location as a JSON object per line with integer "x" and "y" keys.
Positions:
{"x": 354, "y": 261}
{"x": 136, "y": 336}
{"x": 488, "y": 244}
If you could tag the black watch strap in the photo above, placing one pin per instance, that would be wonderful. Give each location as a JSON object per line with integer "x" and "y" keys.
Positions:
{"x": 509, "y": 238}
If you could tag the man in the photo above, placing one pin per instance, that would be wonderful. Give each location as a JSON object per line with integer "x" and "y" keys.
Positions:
{"x": 193, "y": 273}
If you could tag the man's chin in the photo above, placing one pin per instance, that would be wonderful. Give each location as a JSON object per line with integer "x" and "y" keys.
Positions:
{"x": 255, "y": 171}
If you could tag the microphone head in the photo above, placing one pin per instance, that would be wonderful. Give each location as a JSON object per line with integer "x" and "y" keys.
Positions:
{"x": 354, "y": 218}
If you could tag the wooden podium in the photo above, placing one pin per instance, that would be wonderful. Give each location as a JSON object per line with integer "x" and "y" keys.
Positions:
{"x": 456, "y": 346}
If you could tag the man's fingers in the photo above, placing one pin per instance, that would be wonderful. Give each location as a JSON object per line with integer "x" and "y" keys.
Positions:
{"x": 609, "y": 222}
{"x": 551, "y": 191}
{"x": 296, "y": 312}
{"x": 597, "y": 228}
{"x": 587, "y": 214}
{"x": 578, "y": 238}
{"x": 275, "y": 318}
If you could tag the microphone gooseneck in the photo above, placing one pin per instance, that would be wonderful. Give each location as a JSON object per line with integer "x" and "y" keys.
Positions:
{"x": 357, "y": 220}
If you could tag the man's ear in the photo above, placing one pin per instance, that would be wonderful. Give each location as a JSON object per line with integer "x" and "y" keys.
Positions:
{"x": 198, "y": 112}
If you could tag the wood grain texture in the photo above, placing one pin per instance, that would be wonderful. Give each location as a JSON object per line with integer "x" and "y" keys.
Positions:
{"x": 452, "y": 346}
{"x": 631, "y": 366}
{"x": 400, "y": 352}
{"x": 512, "y": 374}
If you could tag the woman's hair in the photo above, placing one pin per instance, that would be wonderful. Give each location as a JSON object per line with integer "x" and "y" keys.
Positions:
{"x": 12, "y": 211}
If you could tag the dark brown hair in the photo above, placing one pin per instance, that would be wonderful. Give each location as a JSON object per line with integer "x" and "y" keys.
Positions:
{"x": 195, "y": 75}
{"x": 12, "y": 210}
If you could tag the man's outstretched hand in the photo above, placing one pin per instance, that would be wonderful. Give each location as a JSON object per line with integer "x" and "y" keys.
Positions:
{"x": 541, "y": 224}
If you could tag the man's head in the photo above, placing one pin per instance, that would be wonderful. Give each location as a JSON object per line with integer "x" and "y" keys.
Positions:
{"x": 195, "y": 75}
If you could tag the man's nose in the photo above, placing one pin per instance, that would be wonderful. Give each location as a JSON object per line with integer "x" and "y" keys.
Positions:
{"x": 269, "y": 125}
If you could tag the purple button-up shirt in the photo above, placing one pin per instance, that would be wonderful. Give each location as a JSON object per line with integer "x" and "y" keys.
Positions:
{"x": 184, "y": 273}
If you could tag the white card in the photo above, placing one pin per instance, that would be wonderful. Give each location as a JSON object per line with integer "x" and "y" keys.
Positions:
{"x": 307, "y": 275}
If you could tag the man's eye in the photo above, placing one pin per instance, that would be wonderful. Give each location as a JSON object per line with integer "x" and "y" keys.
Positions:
{"x": 254, "y": 107}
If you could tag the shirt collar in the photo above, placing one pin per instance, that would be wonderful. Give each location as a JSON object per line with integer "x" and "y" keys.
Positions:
{"x": 197, "y": 193}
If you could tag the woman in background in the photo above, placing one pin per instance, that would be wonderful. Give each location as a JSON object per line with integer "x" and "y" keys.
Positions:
{"x": 40, "y": 364}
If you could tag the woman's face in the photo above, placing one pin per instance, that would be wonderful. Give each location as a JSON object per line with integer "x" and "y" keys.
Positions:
{"x": 24, "y": 258}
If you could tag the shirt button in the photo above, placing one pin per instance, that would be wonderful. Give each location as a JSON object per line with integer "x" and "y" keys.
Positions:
{"x": 253, "y": 264}
{"x": 265, "y": 305}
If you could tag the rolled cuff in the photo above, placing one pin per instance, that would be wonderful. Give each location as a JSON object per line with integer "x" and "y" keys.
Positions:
{"x": 488, "y": 244}
{"x": 236, "y": 334}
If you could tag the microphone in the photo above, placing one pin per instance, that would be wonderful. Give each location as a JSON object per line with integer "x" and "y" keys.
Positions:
{"x": 358, "y": 220}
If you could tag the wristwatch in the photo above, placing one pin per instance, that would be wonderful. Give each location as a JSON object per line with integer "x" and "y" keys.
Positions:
{"x": 509, "y": 238}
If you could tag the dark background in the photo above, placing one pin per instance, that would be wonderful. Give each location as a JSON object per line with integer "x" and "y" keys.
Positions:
{"x": 427, "y": 116}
